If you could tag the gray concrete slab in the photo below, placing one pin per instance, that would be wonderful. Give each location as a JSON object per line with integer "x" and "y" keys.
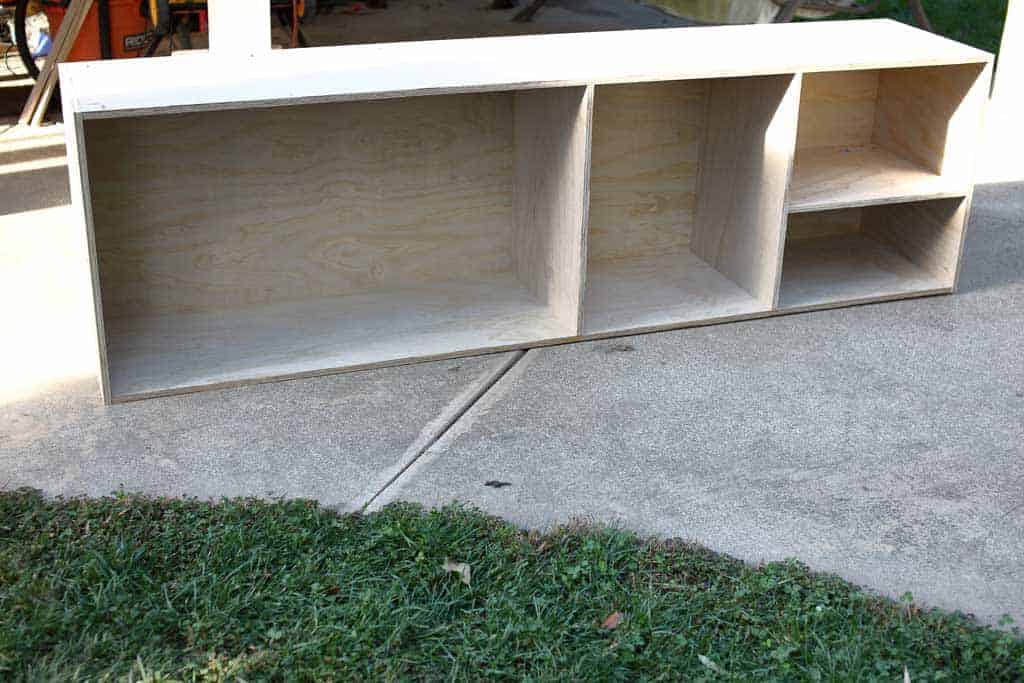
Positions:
{"x": 884, "y": 443}
{"x": 337, "y": 439}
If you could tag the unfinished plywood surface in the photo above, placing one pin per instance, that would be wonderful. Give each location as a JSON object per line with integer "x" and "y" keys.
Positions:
{"x": 552, "y": 144}
{"x": 932, "y": 116}
{"x": 374, "y": 71}
{"x": 652, "y": 292}
{"x": 846, "y": 269}
{"x": 170, "y": 353}
{"x": 835, "y": 177}
{"x": 218, "y": 210}
{"x": 744, "y": 175}
{"x": 837, "y": 109}
{"x": 929, "y": 234}
{"x": 645, "y": 157}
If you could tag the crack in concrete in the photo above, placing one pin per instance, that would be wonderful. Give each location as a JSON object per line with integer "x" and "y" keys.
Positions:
{"x": 445, "y": 423}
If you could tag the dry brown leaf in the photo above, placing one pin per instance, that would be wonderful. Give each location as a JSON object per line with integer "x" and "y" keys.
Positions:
{"x": 612, "y": 621}
{"x": 460, "y": 568}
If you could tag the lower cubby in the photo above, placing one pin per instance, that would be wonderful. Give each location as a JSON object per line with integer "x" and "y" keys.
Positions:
{"x": 241, "y": 246}
{"x": 688, "y": 183}
{"x": 871, "y": 253}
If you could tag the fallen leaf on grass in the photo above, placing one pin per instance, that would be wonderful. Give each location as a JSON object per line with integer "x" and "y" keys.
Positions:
{"x": 706, "y": 661}
{"x": 612, "y": 621}
{"x": 460, "y": 568}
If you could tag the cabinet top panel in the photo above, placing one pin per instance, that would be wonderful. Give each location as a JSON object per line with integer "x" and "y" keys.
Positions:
{"x": 385, "y": 70}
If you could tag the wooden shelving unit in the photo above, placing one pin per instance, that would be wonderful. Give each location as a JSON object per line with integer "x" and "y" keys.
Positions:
{"x": 312, "y": 211}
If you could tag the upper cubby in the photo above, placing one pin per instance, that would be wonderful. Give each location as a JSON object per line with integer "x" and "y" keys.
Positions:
{"x": 886, "y": 135}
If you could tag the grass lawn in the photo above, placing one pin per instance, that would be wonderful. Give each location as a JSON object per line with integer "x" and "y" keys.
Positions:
{"x": 975, "y": 22}
{"x": 184, "y": 590}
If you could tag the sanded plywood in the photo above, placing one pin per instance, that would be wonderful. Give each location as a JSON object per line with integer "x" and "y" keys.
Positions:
{"x": 218, "y": 210}
{"x": 803, "y": 226}
{"x": 745, "y": 171}
{"x": 552, "y": 142}
{"x": 849, "y": 269}
{"x": 180, "y": 352}
{"x": 835, "y": 177}
{"x": 660, "y": 292}
{"x": 933, "y": 116}
{"x": 929, "y": 234}
{"x": 117, "y": 87}
{"x": 837, "y": 109}
{"x": 646, "y": 152}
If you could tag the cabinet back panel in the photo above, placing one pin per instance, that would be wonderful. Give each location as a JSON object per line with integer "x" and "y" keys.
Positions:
{"x": 645, "y": 155}
{"x": 214, "y": 210}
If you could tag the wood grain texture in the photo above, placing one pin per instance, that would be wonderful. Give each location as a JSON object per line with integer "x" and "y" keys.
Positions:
{"x": 932, "y": 116}
{"x": 837, "y": 109}
{"x": 118, "y": 87}
{"x": 552, "y": 144}
{"x": 803, "y": 226}
{"x": 849, "y": 269}
{"x": 836, "y": 177}
{"x": 744, "y": 176}
{"x": 646, "y": 152}
{"x": 928, "y": 234}
{"x": 185, "y": 351}
{"x": 218, "y": 210}
{"x": 660, "y": 292}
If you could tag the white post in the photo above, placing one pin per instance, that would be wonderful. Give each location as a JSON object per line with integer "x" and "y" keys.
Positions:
{"x": 239, "y": 28}
{"x": 1002, "y": 158}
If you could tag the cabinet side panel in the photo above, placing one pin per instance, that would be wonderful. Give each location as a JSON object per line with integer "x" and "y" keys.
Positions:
{"x": 745, "y": 172}
{"x": 932, "y": 115}
{"x": 81, "y": 212}
{"x": 552, "y": 140}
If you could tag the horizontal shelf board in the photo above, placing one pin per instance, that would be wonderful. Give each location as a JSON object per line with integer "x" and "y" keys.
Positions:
{"x": 184, "y": 351}
{"x": 836, "y": 178}
{"x": 848, "y": 269}
{"x": 652, "y": 292}
{"x": 427, "y": 67}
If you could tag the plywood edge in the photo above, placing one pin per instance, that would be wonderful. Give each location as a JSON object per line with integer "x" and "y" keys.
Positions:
{"x": 825, "y": 205}
{"x": 81, "y": 208}
{"x": 862, "y": 301}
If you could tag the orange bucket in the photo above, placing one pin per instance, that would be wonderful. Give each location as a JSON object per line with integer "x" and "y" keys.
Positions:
{"x": 128, "y": 31}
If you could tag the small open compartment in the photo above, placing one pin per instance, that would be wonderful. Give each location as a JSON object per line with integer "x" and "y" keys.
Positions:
{"x": 872, "y": 253}
{"x": 887, "y": 135}
{"x": 688, "y": 182}
{"x": 237, "y": 246}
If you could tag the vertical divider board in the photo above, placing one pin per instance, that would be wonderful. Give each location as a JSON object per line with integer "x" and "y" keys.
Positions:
{"x": 552, "y": 129}
{"x": 362, "y": 206}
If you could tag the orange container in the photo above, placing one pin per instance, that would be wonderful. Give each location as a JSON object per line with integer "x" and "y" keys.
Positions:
{"x": 128, "y": 31}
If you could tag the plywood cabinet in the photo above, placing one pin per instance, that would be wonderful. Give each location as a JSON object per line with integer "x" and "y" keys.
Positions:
{"x": 341, "y": 208}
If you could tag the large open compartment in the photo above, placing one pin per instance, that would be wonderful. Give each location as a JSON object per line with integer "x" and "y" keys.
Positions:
{"x": 688, "y": 182}
{"x": 872, "y": 253}
{"x": 886, "y": 135}
{"x": 237, "y": 246}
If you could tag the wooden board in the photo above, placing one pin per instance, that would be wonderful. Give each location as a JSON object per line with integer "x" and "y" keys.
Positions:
{"x": 552, "y": 144}
{"x": 744, "y": 176}
{"x": 185, "y": 351}
{"x": 848, "y": 269}
{"x": 660, "y": 292}
{"x": 836, "y": 177}
{"x": 218, "y": 210}
{"x": 646, "y": 150}
{"x": 120, "y": 87}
